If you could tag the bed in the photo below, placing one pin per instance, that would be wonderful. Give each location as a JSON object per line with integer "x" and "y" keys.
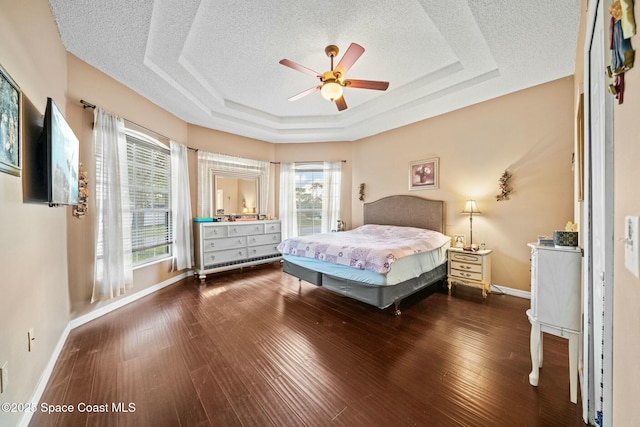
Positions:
{"x": 405, "y": 276}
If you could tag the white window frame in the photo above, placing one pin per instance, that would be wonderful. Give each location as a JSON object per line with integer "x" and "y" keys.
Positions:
{"x": 163, "y": 240}
{"x": 315, "y": 168}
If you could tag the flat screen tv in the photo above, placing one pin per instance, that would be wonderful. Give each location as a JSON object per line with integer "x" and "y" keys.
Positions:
{"x": 54, "y": 161}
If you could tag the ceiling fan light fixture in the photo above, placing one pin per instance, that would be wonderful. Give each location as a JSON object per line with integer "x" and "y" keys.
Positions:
{"x": 331, "y": 90}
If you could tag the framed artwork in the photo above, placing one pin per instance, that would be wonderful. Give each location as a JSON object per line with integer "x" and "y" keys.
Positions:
{"x": 423, "y": 174}
{"x": 10, "y": 100}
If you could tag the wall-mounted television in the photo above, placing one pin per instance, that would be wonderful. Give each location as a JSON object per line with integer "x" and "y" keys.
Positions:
{"x": 53, "y": 161}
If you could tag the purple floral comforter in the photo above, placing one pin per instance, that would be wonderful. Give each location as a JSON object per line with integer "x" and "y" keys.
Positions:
{"x": 368, "y": 247}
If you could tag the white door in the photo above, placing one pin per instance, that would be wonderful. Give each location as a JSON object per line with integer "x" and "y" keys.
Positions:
{"x": 598, "y": 224}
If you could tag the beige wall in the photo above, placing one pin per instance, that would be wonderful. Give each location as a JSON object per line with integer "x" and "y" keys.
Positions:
{"x": 530, "y": 133}
{"x": 33, "y": 237}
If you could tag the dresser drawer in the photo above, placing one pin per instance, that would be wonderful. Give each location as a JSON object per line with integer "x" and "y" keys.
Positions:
{"x": 245, "y": 229}
{"x": 272, "y": 227}
{"x": 466, "y": 258}
{"x": 476, "y": 268}
{"x": 469, "y": 275}
{"x": 263, "y": 239}
{"x": 209, "y": 245}
{"x": 258, "y": 251}
{"x": 214, "y": 232}
{"x": 220, "y": 257}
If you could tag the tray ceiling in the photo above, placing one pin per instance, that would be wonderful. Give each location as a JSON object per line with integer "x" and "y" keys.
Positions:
{"x": 215, "y": 63}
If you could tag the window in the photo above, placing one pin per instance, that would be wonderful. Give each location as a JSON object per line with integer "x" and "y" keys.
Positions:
{"x": 149, "y": 167}
{"x": 309, "y": 186}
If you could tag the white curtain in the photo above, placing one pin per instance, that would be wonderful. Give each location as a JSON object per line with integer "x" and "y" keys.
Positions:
{"x": 113, "y": 264}
{"x": 332, "y": 179}
{"x": 182, "y": 248}
{"x": 210, "y": 163}
{"x": 288, "y": 214}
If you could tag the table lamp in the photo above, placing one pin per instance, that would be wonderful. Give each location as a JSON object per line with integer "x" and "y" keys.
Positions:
{"x": 471, "y": 208}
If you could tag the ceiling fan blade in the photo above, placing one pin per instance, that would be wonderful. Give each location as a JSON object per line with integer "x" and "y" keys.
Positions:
{"x": 305, "y": 93}
{"x": 349, "y": 58}
{"x": 367, "y": 84}
{"x": 298, "y": 67}
{"x": 341, "y": 103}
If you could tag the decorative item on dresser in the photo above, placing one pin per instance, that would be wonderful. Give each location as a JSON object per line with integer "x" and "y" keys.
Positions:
{"x": 470, "y": 268}
{"x": 555, "y": 304}
{"x": 224, "y": 246}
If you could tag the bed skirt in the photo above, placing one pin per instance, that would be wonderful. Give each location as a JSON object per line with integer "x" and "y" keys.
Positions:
{"x": 378, "y": 296}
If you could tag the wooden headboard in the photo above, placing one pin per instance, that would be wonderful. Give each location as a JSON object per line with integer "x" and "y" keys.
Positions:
{"x": 406, "y": 211}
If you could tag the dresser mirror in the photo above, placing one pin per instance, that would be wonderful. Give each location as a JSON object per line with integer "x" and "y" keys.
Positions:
{"x": 236, "y": 194}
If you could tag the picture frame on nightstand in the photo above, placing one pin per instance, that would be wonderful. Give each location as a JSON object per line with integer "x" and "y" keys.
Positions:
{"x": 458, "y": 241}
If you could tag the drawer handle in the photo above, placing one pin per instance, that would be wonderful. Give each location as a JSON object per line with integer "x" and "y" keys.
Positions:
{"x": 213, "y": 245}
{"x": 239, "y": 252}
{"x": 253, "y": 240}
{"x": 239, "y": 241}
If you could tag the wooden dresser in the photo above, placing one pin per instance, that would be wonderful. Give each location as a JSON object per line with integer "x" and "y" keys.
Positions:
{"x": 221, "y": 246}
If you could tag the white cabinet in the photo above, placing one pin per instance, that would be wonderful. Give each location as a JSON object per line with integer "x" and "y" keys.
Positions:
{"x": 221, "y": 246}
{"x": 555, "y": 304}
{"x": 470, "y": 268}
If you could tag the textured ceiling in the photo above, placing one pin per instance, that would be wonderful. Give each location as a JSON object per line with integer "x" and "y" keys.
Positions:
{"x": 215, "y": 63}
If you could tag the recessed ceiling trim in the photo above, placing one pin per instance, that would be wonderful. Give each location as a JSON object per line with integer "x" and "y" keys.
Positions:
{"x": 177, "y": 86}
{"x": 215, "y": 64}
{"x": 193, "y": 71}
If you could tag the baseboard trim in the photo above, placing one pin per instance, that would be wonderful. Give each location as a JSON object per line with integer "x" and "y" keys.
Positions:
{"x": 510, "y": 291}
{"x": 85, "y": 318}
{"x": 79, "y": 321}
{"x": 44, "y": 378}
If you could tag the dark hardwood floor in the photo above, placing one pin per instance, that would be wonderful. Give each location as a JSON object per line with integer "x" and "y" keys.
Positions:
{"x": 253, "y": 348}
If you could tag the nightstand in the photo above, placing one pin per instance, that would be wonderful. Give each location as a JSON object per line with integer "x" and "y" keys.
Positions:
{"x": 470, "y": 269}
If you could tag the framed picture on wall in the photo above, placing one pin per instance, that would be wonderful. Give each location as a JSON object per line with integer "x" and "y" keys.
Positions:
{"x": 9, "y": 124}
{"x": 423, "y": 174}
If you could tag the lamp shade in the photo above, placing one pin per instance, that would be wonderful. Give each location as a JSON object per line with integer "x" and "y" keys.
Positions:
{"x": 471, "y": 207}
{"x": 331, "y": 90}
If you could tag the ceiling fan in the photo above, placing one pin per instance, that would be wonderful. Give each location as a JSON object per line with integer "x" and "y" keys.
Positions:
{"x": 332, "y": 82}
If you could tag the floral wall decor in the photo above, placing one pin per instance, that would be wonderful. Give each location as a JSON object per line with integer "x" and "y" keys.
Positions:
{"x": 361, "y": 198}
{"x": 80, "y": 210}
{"x": 505, "y": 188}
